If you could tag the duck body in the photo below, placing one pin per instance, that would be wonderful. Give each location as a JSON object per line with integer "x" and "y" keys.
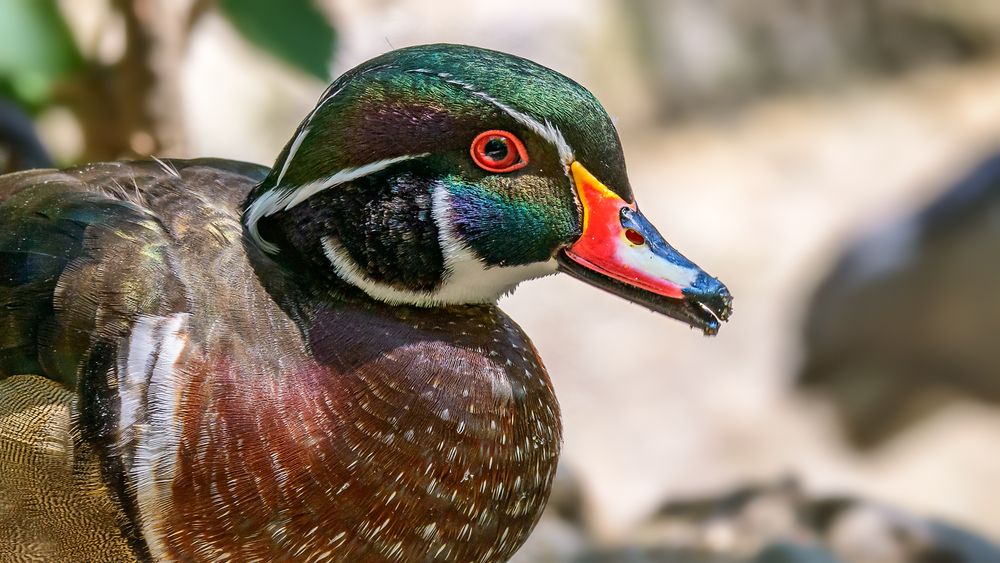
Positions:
{"x": 288, "y": 427}
{"x": 306, "y": 362}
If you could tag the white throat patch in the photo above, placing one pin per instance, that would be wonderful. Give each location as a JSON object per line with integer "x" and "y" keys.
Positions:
{"x": 467, "y": 279}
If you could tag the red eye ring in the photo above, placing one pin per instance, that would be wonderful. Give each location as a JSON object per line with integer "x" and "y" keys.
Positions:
{"x": 484, "y": 151}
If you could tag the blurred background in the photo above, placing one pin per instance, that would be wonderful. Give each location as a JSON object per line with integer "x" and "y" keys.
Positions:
{"x": 832, "y": 161}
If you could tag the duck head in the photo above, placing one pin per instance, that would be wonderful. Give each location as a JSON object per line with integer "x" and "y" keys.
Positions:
{"x": 445, "y": 174}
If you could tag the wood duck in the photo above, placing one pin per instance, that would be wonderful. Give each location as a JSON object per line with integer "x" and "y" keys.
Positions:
{"x": 216, "y": 361}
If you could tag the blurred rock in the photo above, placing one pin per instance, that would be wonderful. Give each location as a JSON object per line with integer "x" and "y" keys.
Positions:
{"x": 20, "y": 148}
{"x": 656, "y": 554}
{"x": 568, "y": 501}
{"x": 781, "y": 523}
{"x": 794, "y": 553}
{"x": 553, "y": 541}
{"x": 705, "y": 54}
{"x": 776, "y": 522}
{"x": 908, "y": 317}
{"x": 859, "y": 531}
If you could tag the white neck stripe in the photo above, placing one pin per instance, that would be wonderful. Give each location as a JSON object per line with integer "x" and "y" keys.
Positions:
{"x": 466, "y": 277}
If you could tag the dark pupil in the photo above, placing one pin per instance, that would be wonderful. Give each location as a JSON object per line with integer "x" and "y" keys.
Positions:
{"x": 496, "y": 149}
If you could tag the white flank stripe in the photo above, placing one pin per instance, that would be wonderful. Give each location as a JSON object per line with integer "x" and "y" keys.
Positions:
{"x": 153, "y": 468}
{"x": 132, "y": 377}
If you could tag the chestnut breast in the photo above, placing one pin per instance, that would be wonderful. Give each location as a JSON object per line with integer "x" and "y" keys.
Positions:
{"x": 405, "y": 434}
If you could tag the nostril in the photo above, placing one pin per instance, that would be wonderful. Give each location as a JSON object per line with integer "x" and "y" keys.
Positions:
{"x": 634, "y": 237}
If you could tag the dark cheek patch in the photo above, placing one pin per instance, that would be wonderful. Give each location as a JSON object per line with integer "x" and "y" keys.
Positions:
{"x": 383, "y": 222}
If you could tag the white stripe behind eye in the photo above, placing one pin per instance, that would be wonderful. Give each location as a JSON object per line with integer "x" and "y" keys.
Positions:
{"x": 302, "y": 193}
{"x": 283, "y": 199}
{"x": 291, "y": 154}
{"x": 544, "y": 129}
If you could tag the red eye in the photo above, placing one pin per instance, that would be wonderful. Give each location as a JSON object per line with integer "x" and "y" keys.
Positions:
{"x": 498, "y": 151}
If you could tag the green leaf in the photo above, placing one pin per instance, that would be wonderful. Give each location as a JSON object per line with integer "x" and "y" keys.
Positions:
{"x": 36, "y": 49}
{"x": 295, "y": 31}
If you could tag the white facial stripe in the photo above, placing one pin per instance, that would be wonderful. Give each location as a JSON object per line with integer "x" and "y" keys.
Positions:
{"x": 283, "y": 199}
{"x": 466, "y": 278}
{"x": 450, "y": 242}
{"x": 335, "y": 88}
{"x": 545, "y": 129}
{"x": 302, "y": 193}
{"x": 348, "y": 270}
{"x": 150, "y": 382}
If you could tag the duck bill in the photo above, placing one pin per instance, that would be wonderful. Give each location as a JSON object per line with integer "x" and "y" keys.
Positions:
{"x": 620, "y": 252}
